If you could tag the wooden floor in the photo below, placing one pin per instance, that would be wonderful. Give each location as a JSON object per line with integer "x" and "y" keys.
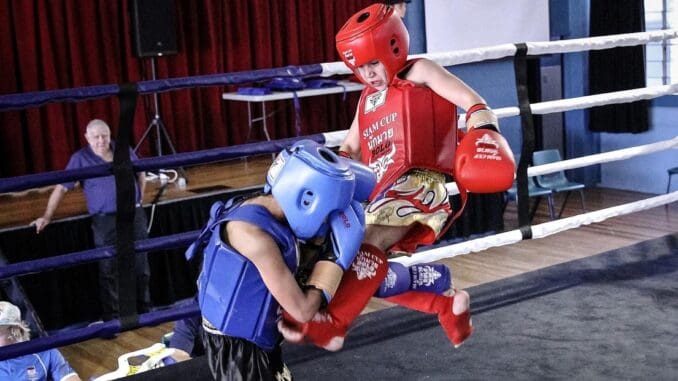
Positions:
{"x": 95, "y": 357}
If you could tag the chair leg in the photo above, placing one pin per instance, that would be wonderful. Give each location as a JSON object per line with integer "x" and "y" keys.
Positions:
{"x": 581, "y": 195}
{"x": 668, "y": 186}
{"x": 552, "y": 212}
{"x": 534, "y": 208}
{"x": 562, "y": 208}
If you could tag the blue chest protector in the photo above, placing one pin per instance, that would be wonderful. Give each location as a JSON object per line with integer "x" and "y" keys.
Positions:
{"x": 232, "y": 295}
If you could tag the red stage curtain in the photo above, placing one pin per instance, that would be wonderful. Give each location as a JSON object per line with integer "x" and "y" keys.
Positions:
{"x": 57, "y": 44}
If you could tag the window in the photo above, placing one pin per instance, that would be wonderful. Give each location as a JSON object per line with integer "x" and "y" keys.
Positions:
{"x": 661, "y": 58}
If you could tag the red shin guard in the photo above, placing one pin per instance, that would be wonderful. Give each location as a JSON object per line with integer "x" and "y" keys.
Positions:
{"x": 358, "y": 285}
{"x": 457, "y": 327}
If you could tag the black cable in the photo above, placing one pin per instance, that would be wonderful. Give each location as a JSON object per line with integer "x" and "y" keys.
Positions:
{"x": 154, "y": 202}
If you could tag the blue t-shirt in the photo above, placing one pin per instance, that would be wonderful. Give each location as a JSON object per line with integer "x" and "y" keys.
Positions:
{"x": 187, "y": 336}
{"x": 99, "y": 191}
{"x": 42, "y": 366}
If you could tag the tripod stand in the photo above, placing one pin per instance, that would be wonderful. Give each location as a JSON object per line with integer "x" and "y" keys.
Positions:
{"x": 157, "y": 124}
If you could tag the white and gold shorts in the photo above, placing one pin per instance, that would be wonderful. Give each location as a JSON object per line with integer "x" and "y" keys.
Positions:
{"x": 418, "y": 199}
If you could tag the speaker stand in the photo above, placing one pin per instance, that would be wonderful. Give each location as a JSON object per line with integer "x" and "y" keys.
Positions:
{"x": 158, "y": 125}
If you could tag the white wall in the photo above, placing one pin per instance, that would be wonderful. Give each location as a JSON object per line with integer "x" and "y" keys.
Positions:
{"x": 645, "y": 173}
{"x": 463, "y": 24}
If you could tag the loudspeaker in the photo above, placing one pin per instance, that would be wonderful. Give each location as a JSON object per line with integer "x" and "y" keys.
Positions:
{"x": 154, "y": 27}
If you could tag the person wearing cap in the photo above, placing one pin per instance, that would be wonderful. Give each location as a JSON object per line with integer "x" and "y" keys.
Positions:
{"x": 45, "y": 365}
{"x": 250, "y": 254}
{"x": 405, "y": 130}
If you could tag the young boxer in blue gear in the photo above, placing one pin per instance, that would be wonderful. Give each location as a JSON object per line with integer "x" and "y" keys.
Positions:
{"x": 250, "y": 251}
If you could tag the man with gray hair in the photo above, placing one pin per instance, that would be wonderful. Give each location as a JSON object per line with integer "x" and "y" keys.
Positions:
{"x": 101, "y": 203}
{"x": 45, "y": 365}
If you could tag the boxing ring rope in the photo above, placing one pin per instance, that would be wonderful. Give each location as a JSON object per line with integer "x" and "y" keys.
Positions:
{"x": 621, "y": 154}
{"x": 588, "y": 101}
{"x": 19, "y": 101}
{"x": 606, "y": 157}
{"x": 537, "y": 231}
{"x": 166, "y": 161}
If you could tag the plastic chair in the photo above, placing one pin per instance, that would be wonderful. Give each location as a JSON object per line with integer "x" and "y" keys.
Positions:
{"x": 671, "y": 171}
{"x": 557, "y": 181}
{"x": 533, "y": 190}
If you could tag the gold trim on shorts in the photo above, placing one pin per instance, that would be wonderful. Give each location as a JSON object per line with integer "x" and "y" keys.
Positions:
{"x": 417, "y": 196}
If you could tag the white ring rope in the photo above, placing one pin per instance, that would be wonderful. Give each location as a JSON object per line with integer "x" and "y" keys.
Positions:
{"x": 333, "y": 139}
{"x": 599, "y": 43}
{"x": 533, "y": 48}
{"x": 549, "y": 47}
{"x": 538, "y": 231}
{"x": 587, "y": 101}
{"x": 605, "y": 157}
{"x": 621, "y": 154}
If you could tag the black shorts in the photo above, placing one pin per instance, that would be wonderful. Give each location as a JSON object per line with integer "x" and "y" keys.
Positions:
{"x": 232, "y": 358}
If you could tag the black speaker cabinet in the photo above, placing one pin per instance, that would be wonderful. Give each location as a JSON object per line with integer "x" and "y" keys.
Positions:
{"x": 154, "y": 27}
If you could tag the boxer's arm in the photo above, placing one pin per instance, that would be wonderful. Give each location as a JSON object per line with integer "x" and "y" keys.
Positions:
{"x": 351, "y": 144}
{"x": 428, "y": 73}
{"x": 260, "y": 248}
{"x": 347, "y": 232}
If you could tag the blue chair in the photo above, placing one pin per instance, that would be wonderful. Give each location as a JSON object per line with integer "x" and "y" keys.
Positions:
{"x": 557, "y": 181}
{"x": 671, "y": 171}
{"x": 533, "y": 190}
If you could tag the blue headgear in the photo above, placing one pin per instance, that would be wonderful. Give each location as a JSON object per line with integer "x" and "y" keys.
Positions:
{"x": 309, "y": 182}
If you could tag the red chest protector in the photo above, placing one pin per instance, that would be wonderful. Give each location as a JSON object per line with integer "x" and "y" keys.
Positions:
{"x": 405, "y": 126}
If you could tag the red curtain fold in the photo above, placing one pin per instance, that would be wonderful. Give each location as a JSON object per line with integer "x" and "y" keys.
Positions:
{"x": 57, "y": 44}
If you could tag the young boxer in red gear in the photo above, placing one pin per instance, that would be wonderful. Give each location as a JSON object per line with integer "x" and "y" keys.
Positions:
{"x": 405, "y": 130}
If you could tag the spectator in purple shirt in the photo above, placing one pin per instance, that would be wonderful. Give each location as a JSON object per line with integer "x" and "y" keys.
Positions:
{"x": 101, "y": 204}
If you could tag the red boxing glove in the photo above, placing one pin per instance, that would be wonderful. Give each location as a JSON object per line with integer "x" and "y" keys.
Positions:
{"x": 484, "y": 162}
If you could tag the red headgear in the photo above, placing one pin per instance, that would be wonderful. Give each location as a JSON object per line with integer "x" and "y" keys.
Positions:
{"x": 374, "y": 33}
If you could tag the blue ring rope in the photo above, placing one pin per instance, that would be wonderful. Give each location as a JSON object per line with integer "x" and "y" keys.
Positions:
{"x": 39, "y": 98}
{"x": 19, "y": 183}
{"x": 104, "y": 329}
{"x": 172, "y": 241}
